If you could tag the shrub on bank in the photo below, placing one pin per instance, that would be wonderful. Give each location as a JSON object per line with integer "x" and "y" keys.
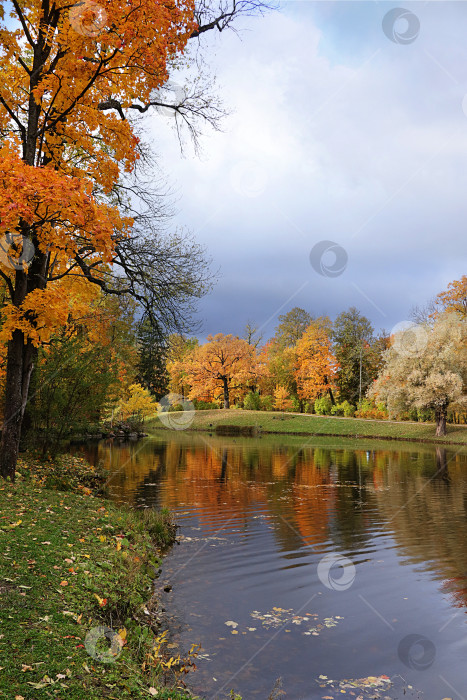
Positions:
{"x": 323, "y": 406}
{"x": 367, "y": 408}
{"x": 252, "y": 401}
{"x": 343, "y": 409}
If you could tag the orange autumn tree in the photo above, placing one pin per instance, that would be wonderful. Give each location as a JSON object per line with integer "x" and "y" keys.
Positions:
{"x": 72, "y": 76}
{"x": 282, "y": 400}
{"x": 315, "y": 364}
{"x": 454, "y": 298}
{"x": 222, "y": 366}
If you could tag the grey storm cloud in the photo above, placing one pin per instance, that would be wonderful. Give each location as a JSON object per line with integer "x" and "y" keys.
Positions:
{"x": 337, "y": 133}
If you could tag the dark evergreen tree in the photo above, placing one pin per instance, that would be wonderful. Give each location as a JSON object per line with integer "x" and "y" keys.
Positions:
{"x": 152, "y": 359}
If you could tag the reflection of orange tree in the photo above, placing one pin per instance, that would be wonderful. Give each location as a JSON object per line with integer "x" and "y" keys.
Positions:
{"x": 312, "y": 504}
{"x": 299, "y": 490}
{"x": 129, "y": 466}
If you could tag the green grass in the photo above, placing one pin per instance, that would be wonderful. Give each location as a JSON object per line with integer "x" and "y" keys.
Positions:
{"x": 72, "y": 562}
{"x": 301, "y": 424}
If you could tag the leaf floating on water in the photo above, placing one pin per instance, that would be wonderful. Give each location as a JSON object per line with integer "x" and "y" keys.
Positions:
{"x": 231, "y": 623}
{"x": 279, "y": 617}
{"x": 371, "y": 687}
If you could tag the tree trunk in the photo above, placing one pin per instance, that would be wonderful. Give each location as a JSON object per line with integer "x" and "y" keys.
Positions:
{"x": 19, "y": 368}
{"x": 21, "y": 356}
{"x": 441, "y": 417}
{"x": 226, "y": 393}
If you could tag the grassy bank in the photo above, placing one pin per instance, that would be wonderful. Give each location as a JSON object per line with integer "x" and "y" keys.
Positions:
{"x": 302, "y": 424}
{"x": 71, "y": 564}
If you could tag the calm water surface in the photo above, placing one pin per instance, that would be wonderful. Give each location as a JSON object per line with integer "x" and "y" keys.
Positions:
{"x": 265, "y": 524}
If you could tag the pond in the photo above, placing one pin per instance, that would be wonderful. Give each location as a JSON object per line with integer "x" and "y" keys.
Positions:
{"x": 321, "y": 562}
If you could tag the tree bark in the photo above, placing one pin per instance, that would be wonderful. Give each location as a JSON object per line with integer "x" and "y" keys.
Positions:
{"x": 21, "y": 356}
{"x": 441, "y": 418}
{"x": 19, "y": 369}
{"x": 226, "y": 393}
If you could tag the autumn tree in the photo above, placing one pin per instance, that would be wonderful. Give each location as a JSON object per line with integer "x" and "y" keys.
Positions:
{"x": 291, "y": 327}
{"x": 316, "y": 367}
{"x": 454, "y": 298}
{"x": 138, "y": 404}
{"x": 252, "y": 334}
{"x": 277, "y": 367}
{"x": 432, "y": 375}
{"x": 222, "y": 366}
{"x": 358, "y": 352}
{"x": 179, "y": 355}
{"x": 282, "y": 401}
{"x": 72, "y": 77}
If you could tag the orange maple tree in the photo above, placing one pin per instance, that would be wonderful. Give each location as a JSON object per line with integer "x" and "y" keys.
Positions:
{"x": 223, "y": 365}
{"x": 282, "y": 400}
{"x": 454, "y": 298}
{"x": 315, "y": 364}
{"x": 72, "y": 76}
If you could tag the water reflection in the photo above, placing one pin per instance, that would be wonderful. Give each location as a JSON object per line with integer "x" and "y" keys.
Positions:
{"x": 275, "y": 507}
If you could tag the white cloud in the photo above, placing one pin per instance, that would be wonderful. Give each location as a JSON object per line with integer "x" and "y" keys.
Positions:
{"x": 371, "y": 154}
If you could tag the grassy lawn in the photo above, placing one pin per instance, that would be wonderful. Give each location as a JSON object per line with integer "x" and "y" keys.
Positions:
{"x": 71, "y": 563}
{"x": 301, "y": 424}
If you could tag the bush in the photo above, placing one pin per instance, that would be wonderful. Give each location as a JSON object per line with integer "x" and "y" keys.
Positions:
{"x": 309, "y": 407}
{"x": 252, "y": 401}
{"x": 343, "y": 409}
{"x": 349, "y": 409}
{"x": 205, "y": 405}
{"x": 296, "y": 404}
{"x": 323, "y": 406}
{"x": 369, "y": 409}
{"x": 267, "y": 403}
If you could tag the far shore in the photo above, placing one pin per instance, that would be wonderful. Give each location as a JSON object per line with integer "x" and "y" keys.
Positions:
{"x": 266, "y": 422}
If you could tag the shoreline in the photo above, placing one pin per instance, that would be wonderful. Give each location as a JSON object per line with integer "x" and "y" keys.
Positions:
{"x": 79, "y": 609}
{"x": 311, "y": 425}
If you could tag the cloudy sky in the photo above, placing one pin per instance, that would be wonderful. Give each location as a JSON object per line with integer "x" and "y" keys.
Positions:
{"x": 338, "y": 132}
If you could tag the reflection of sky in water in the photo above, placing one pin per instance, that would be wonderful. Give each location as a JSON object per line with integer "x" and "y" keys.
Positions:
{"x": 256, "y": 519}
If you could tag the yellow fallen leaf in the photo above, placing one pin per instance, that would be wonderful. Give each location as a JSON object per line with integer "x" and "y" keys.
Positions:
{"x": 15, "y": 524}
{"x": 234, "y": 632}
